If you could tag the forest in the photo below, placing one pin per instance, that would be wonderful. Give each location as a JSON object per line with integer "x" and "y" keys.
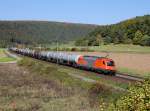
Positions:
{"x": 132, "y": 31}
{"x": 40, "y": 32}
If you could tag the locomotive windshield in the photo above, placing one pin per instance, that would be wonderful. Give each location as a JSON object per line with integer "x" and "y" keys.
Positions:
{"x": 110, "y": 63}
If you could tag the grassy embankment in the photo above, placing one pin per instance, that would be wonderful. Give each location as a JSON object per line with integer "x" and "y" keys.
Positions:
{"x": 80, "y": 95}
{"x": 69, "y": 70}
{"x": 4, "y": 57}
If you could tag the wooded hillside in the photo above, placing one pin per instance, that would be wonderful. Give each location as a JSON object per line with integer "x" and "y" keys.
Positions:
{"x": 132, "y": 31}
{"x": 40, "y": 32}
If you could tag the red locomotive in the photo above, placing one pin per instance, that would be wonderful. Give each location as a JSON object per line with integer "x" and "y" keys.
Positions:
{"x": 98, "y": 64}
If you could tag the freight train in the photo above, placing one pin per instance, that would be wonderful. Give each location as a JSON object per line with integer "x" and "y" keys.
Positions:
{"x": 93, "y": 63}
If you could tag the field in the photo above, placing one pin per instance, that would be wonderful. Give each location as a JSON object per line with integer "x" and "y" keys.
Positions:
{"x": 120, "y": 48}
{"x": 41, "y": 86}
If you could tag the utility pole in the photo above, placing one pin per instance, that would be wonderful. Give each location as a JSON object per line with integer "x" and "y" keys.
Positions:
{"x": 57, "y": 49}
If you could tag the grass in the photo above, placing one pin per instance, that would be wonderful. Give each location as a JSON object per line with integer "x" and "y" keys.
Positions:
{"x": 109, "y": 48}
{"x": 94, "y": 76}
{"x": 1, "y": 50}
{"x": 134, "y": 72}
{"x": 80, "y": 95}
{"x": 7, "y": 59}
{"x": 65, "y": 70}
{"x": 37, "y": 87}
{"x": 52, "y": 71}
{"x": 4, "y": 57}
{"x": 123, "y": 48}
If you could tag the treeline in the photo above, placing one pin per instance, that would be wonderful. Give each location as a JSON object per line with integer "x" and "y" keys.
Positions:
{"x": 40, "y": 32}
{"x": 132, "y": 31}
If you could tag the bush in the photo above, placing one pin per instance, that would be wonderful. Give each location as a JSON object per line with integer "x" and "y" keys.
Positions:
{"x": 74, "y": 49}
{"x": 97, "y": 94}
{"x": 138, "y": 98}
{"x": 98, "y": 88}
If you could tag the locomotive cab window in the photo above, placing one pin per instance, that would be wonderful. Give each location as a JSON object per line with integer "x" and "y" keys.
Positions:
{"x": 110, "y": 63}
{"x": 103, "y": 62}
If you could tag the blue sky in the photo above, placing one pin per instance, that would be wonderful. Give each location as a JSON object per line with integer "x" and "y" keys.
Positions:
{"x": 77, "y": 11}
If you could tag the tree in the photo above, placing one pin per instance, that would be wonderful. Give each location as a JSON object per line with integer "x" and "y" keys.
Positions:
{"x": 138, "y": 37}
{"x": 91, "y": 41}
{"x": 145, "y": 40}
{"x": 95, "y": 40}
{"x": 115, "y": 40}
{"x": 82, "y": 42}
{"x": 99, "y": 39}
{"x": 126, "y": 40}
{"x": 127, "y": 32}
{"x": 107, "y": 40}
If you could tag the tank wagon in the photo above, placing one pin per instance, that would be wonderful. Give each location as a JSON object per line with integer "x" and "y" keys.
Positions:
{"x": 93, "y": 63}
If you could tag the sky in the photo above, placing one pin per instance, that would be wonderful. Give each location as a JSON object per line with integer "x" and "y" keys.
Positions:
{"x": 100, "y": 12}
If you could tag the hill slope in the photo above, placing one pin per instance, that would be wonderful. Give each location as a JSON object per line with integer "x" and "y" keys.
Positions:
{"x": 132, "y": 31}
{"x": 33, "y": 32}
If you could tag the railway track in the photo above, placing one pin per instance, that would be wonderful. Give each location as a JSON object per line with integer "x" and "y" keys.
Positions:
{"x": 118, "y": 76}
{"x": 129, "y": 77}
